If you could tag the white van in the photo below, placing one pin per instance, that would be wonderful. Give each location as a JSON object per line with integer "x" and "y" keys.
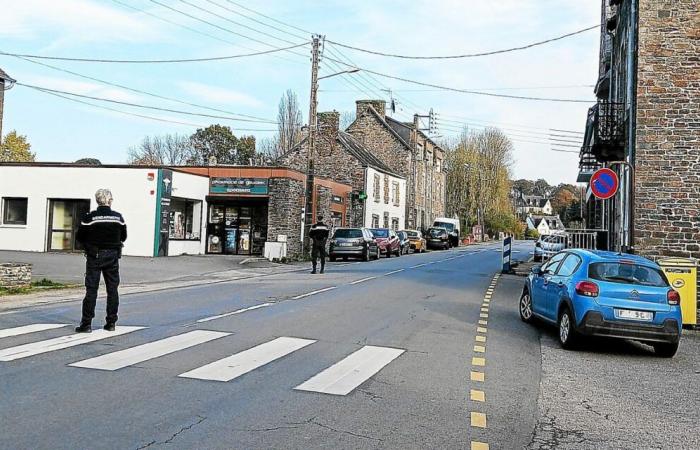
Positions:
{"x": 452, "y": 226}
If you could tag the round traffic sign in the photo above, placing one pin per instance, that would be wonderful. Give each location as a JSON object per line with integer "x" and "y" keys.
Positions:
{"x": 604, "y": 183}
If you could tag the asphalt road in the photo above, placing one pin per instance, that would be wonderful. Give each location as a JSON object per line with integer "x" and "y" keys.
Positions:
{"x": 422, "y": 351}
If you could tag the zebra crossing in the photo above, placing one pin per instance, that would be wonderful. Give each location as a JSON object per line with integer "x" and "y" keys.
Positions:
{"x": 340, "y": 378}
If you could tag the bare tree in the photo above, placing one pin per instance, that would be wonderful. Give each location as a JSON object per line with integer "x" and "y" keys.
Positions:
{"x": 346, "y": 119}
{"x": 289, "y": 120}
{"x": 170, "y": 149}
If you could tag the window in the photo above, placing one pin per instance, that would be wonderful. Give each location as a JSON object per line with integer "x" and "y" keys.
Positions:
{"x": 629, "y": 273}
{"x": 386, "y": 220}
{"x": 14, "y": 211}
{"x": 553, "y": 263}
{"x": 395, "y": 223}
{"x": 395, "y": 193}
{"x": 348, "y": 233}
{"x": 375, "y": 221}
{"x": 377, "y": 188}
{"x": 386, "y": 189}
{"x": 185, "y": 219}
{"x": 569, "y": 266}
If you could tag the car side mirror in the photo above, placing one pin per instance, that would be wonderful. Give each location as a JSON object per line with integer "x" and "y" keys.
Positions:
{"x": 537, "y": 271}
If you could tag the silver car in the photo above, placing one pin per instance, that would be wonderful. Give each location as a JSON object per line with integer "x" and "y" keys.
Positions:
{"x": 548, "y": 245}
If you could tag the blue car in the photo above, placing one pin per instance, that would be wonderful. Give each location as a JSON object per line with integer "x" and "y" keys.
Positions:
{"x": 597, "y": 293}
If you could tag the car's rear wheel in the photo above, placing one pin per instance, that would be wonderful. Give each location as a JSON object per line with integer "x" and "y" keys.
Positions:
{"x": 365, "y": 254}
{"x": 398, "y": 251}
{"x": 567, "y": 333}
{"x": 388, "y": 253}
{"x": 664, "y": 349}
{"x": 526, "y": 307}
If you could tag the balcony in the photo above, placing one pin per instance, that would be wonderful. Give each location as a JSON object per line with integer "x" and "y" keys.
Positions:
{"x": 587, "y": 165}
{"x": 608, "y": 140}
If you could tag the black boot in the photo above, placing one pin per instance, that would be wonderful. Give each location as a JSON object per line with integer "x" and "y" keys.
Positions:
{"x": 322, "y": 269}
{"x": 109, "y": 326}
{"x": 83, "y": 328}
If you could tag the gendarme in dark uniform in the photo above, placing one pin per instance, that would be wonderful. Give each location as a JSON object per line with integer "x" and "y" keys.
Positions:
{"x": 102, "y": 233}
{"x": 318, "y": 235}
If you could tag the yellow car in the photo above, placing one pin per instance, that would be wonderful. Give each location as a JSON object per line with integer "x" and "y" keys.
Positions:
{"x": 418, "y": 244}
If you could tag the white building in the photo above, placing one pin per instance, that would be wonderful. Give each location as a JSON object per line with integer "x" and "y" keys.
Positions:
{"x": 385, "y": 206}
{"x": 544, "y": 225}
{"x": 41, "y": 206}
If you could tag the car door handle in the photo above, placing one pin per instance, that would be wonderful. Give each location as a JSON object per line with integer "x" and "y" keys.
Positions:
{"x": 560, "y": 284}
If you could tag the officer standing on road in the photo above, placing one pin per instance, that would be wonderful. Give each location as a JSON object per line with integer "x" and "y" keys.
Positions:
{"x": 102, "y": 233}
{"x": 319, "y": 236}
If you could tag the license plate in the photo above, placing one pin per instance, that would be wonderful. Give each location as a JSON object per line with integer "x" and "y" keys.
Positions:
{"x": 345, "y": 244}
{"x": 633, "y": 315}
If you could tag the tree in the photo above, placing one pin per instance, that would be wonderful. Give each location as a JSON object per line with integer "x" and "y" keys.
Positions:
{"x": 527, "y": 187}
{"x": 217, "y": 144}
{"x": 89, "y": 162}
{"x": 346, "y": 119}
{"x": 289, "y": 121}
{"x": 170, "y": 149}
{"x": 15, "y": 148}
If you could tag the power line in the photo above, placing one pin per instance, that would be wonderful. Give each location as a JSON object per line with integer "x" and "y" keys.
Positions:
{"x": 534, "y": 133}
{"x": 257, "y": 21}
{"x": 516, "y": 138}
{"x": 150, "y": 94}
{"x": 152, "y": 61}
{"x": 270, "y": 18}
{"x": 134, "y": 105}
{"x": 532, "y": 88}
{"x": 506, "y": 131}
{"x": 468, "y": 55}
{"x": 465, "y": 91}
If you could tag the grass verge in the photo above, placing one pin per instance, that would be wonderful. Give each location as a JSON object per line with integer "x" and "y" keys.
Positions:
{"x": 36, "y": 286}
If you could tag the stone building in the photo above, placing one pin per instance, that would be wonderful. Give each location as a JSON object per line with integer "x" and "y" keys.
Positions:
{"x": 648, "y": 115}
{"x": 340, "y": 157}
{"x": 410, "y": 153}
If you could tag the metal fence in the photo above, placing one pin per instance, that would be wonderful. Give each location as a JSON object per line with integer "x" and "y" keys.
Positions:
{"x": 556, "y": 242}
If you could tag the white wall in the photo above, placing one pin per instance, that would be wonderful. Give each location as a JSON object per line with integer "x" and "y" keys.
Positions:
{"x": 372, "y": 207}
{"x": 195, "y": 188}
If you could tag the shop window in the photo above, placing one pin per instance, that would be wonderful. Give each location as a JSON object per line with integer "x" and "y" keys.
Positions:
{"x": 386, "y": 220}
{"x": 395, "y": 193}
{"x": 185, "y": 219}
{"x": 375, "y": 220}
{"x": 14, "y": 211}
{"x": 377, "y": 188}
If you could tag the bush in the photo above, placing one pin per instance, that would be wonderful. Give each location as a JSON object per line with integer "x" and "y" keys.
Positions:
{"x": 532, "y": 234}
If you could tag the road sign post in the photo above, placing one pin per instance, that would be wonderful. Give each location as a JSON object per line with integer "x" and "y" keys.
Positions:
{"x": 506, "y": 252}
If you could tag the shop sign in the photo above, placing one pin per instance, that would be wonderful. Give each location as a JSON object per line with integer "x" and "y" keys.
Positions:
{"x": 229, "y": 185}
{"x": 337, "y": 199}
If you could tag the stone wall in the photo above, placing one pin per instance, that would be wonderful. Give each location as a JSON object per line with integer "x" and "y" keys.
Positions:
{"x": 324, "y": 197}
{"x": 667, "y": 203}
{"x": 13, "y": 275}
{"x": 284, "y": 213}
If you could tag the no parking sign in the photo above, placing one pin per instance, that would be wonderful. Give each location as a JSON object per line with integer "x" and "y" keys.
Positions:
{"x": 604, "y": 183}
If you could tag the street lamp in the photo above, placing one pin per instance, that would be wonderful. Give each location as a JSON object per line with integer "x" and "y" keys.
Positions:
{"x": 351, "y": 70}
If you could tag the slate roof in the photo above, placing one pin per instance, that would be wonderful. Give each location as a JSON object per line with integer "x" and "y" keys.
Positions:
{"x": 366, "y": 158}
{"x": 404, "y": 129}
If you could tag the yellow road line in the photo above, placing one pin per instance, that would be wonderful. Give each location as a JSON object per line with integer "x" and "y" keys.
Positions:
{"x": 485, "y": 309}
{"x": 476, "y": 376}
{"x": 476, "y": 445}
{"x": 480, "y": 349}
{"x": 483, "y": 322}
{"x": 478, "y": 361}
{"x": 481, "y": 330}
{"x": 478, "y": 419}
{"x": 484, "y": 316}
{"x": 480, "y": 338}
{"x": 477, "y": 396}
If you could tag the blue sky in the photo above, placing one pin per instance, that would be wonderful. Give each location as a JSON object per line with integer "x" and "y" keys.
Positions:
{"x": 60, "y": 130}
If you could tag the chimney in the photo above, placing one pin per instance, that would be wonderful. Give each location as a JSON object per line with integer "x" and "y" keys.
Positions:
{"x": 378, "y": 105}
{"x": 328, "y": 123}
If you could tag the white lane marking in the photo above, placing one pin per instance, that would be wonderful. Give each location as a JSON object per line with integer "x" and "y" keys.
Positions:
{"x": 233, "y": 313}
{"x": 362, "y": 280}
{"x": 241, "y": 363}
{"x": 151, "y": 350}
{"x": 344, "y": 376}
{"x": 59, "y": 343}
{"x": 308, "y": 294}
{"x": 26, "y": 329}
{"x": 394, "y": 271}
{"x": 418, "y": 265}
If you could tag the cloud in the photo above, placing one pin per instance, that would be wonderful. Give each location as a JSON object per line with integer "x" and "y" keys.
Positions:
{"x": 219, "y": 95}
{"x": 73, "y": 20}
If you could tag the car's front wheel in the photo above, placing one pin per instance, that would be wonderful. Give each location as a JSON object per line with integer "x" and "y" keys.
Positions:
{"x": 664, "y": 349}
{"x": 526, "y": 307}
{"x": 567, "y": 333}
{"x": 365, "y": 254}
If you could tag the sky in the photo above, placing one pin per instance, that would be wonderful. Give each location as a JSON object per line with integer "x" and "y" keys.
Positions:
{"x": 63, "y": 130}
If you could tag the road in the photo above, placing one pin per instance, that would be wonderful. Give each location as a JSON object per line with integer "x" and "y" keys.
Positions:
{"x": 422, "y": 351}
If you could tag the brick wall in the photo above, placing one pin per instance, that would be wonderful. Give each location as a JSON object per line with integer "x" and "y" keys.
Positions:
{"x": 13, "y": 275}
{"x": 667, "y": 203}
{"x": 284, "y": 213}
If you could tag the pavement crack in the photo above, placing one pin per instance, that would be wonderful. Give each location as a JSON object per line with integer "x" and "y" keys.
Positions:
{"x": 174, "y": 435}
{"x": 372, "y": 396}
{"x": 350, "y": 433}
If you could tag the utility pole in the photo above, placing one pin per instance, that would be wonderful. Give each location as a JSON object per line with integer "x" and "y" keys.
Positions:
{"x": 313, "y": 100}
{"x": 6, "y": 82}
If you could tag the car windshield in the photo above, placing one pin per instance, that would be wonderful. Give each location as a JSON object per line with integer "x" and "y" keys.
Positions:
{"x": 435, "y": 232}
{"x": 445, "y": 225}
{"x": 412, "y": 234}
{"x": 348, "y": 233}
{"x": 380, "y": 232}
{"x": 627, "y": 273}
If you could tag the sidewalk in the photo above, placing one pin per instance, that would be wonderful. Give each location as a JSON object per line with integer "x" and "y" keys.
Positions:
{"x": 137, "y": 274}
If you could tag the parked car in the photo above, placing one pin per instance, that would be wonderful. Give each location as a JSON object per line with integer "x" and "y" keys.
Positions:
{"x": 387, "y": 241}
{"x": 438, "y": 238}
{"x": 353, "y": 242}
{"x": 404, "y": 242}
{"x": 548, "y": 245}
{"x": 452, "y": 227}
{"x": 597, "y": 293}
{"x": 416, "y": 240}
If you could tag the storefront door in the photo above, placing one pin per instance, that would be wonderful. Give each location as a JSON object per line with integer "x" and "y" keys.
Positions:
{"x": 64, "y": 219}
{"x": 236, "y": 230}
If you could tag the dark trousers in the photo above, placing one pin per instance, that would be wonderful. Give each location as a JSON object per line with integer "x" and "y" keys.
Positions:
{"x": 316, "y": 252}
{"x": 105, "y": 263}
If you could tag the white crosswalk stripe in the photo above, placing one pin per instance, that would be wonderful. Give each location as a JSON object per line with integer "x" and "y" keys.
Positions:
{"x": 62, "y": 342}
{"x": 241, "y": 363}
{"x": 344, "y": 376}
{"x": 33, "y": 328}
{"x": 151, "y": 350}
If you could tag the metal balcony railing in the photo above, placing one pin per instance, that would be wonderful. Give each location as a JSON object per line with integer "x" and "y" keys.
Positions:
{"x": 608, "y": 142}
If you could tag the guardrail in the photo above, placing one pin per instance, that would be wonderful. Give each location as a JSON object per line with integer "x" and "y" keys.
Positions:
{"x": 556, "y": 242}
